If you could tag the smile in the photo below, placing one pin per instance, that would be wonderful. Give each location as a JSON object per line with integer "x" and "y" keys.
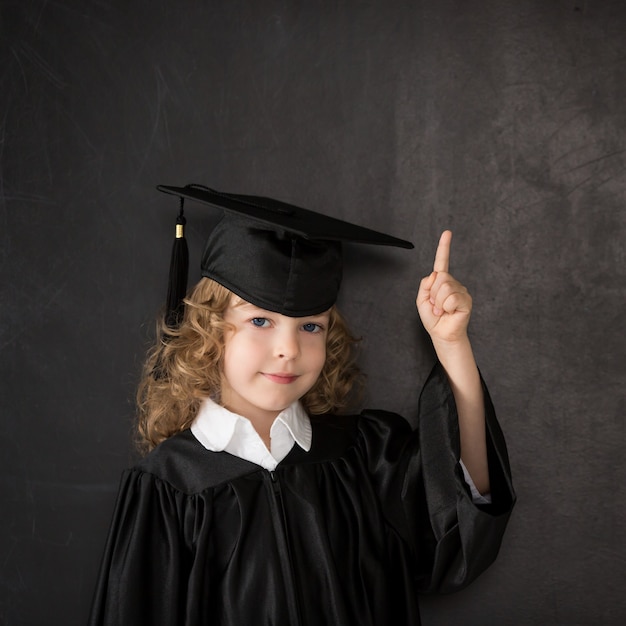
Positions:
{"x": 281, "y": 379}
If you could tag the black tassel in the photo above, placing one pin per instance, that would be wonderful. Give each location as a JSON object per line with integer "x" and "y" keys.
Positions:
{"x": 179, "y": 270}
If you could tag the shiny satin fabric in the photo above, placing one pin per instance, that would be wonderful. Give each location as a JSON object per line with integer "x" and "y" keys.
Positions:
{"x": 277, "y": 272}
{"x": 347, "y": 533}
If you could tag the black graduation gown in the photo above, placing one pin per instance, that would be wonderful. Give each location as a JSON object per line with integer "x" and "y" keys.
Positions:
{"x": 347, "y": 533}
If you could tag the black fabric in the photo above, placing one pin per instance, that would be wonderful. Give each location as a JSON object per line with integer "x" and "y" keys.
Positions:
{"x": 282, "y": 273}
{"x": 280, "y": 257}
{"x": 347, "y": 533}
{"x": 283, "y": 217}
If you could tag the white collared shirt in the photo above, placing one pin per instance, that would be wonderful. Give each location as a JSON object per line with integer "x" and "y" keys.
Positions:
{"x": 218, "y": 429}
{"x": 221, "y": 430}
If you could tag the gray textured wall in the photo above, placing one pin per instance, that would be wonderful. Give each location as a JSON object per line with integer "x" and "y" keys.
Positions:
{"x": 502, "y": 120}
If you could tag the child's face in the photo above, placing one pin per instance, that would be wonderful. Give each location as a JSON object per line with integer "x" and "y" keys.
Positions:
{"x": 270, "y": 360}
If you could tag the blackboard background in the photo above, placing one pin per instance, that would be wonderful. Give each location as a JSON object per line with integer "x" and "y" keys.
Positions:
{"x": 501, "y": 120}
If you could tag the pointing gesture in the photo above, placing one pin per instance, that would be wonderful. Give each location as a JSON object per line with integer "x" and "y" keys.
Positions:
{"x": 442, "y": 256}
{"x": 444, "y": 304}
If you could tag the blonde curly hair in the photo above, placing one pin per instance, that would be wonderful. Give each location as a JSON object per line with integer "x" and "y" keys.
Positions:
{"x": 185, "y": 366}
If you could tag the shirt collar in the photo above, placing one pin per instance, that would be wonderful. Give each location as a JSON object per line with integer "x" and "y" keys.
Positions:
{"x": 215, "y": 426}
{"x": 295, "y": 418}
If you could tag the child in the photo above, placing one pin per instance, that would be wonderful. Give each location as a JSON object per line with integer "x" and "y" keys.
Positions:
{"x": 258, "y": 504}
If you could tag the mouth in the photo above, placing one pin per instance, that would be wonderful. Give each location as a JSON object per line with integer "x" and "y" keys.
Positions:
{"x": 281, "y": 379}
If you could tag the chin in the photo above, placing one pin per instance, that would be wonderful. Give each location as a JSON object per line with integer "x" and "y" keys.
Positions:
{"x": 278, "y": 403}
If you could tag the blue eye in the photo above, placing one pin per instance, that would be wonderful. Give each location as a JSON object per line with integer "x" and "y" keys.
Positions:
{"x": 311, "y": 328}
{"x": 260, "y": 322}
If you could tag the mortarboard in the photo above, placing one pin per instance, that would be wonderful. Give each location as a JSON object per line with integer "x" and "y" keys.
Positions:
{"x": 278, "y": 256}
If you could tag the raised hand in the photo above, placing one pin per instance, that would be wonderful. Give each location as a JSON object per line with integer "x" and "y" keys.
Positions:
{"x": 444, "y": 304}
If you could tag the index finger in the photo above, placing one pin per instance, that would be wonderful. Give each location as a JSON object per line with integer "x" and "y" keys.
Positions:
{"x": 442, "y": 256}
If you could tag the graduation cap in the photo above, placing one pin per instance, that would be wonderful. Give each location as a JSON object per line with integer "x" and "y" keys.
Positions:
{"x": 277, "y": 256}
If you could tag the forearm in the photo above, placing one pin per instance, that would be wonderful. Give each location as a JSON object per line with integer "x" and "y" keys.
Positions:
{"x": 458, "y": 361}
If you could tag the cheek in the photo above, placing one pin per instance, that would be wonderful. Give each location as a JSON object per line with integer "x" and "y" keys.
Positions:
{"x": 241, "y": 349}
{"x": 318, "y": 356}
{"x": 232, "y": 354}
{"x": 228, "y": 349}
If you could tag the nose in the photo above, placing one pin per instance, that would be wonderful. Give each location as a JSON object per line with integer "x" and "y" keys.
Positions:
{"x": 287, "y": 345}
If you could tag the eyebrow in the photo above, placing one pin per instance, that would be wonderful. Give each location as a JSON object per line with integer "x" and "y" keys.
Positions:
{"x": 323, "y": 314}
{"x": 240, "y": 303}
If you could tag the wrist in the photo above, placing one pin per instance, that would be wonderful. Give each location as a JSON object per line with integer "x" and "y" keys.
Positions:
{"x": 451, "y": 346}
{"x": 451, "y": 353}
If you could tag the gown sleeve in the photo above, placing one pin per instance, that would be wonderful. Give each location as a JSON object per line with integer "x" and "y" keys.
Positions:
{"x": 424, "y": 494}
{"x": 149, "y": 556}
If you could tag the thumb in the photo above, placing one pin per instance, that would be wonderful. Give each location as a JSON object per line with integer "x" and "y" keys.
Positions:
{"x": 423, "y": 294}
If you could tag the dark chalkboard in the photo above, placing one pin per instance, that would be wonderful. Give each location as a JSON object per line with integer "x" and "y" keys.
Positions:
{"x": 502, "y": 120}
